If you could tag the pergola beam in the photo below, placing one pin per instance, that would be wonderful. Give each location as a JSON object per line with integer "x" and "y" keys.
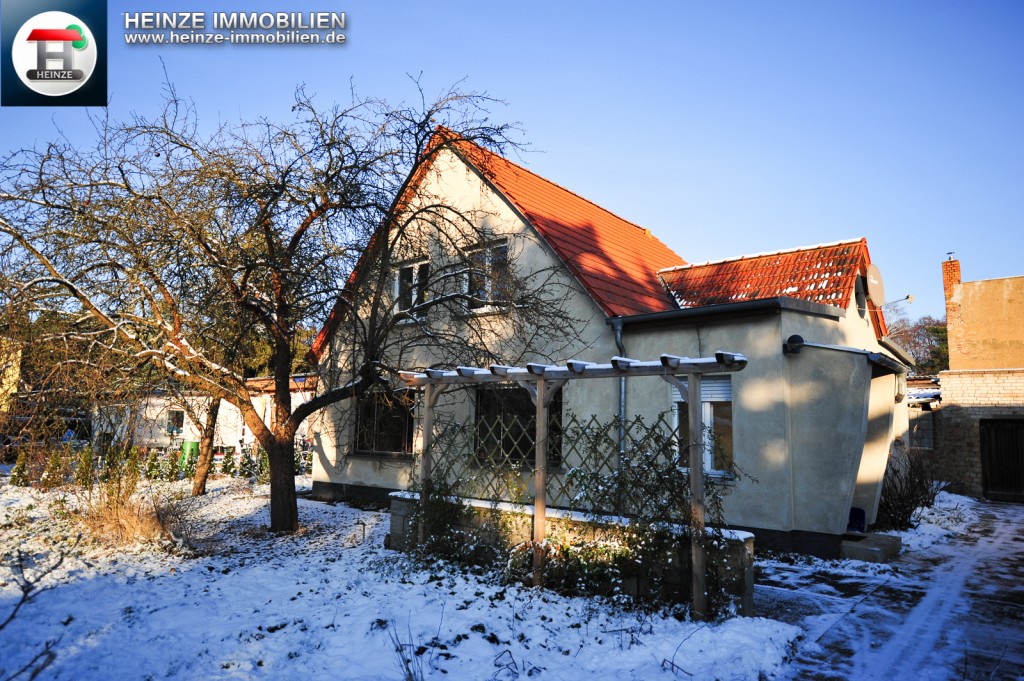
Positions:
{"x": 668, "y": 365}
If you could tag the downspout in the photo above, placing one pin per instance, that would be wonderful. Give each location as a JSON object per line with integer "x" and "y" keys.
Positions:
{"x": 616, "y": 323}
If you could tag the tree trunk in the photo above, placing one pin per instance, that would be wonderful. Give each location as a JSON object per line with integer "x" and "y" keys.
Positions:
{"x": 206, "y": 449}
{"x": 284, "y": 509}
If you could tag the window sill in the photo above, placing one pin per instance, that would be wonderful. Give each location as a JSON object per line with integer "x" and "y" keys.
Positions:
{"x": 485, "y": 311}
{"x": 404, "y": 457}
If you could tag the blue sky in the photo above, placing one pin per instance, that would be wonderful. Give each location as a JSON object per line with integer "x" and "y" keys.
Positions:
{"x": 727, "y": 128}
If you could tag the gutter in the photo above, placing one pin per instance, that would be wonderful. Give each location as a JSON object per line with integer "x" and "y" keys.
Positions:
{"x": 744, "y": 307}
{"x": 795, "y": 343}
{"x": 901, "y": 354}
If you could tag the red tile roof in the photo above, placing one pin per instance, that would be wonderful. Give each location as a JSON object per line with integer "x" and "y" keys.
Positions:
{"x": 615, "y": 260}
{"x": 823, "y": 274}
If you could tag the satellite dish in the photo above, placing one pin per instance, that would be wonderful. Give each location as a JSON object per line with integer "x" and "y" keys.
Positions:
{"x": 876, "y": 290}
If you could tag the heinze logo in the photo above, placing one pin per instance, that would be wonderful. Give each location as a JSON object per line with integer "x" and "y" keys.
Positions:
{"x": 54, "y": 53}
{"x": 56, "y": 56}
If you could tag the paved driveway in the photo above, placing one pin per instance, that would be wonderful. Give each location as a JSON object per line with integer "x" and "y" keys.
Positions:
{"x": 950, "y": 611}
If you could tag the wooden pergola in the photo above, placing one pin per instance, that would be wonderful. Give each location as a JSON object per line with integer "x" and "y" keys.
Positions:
{"x": 542, "y": 381}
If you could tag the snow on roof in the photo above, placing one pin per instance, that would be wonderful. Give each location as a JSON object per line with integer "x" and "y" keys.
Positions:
{"x": 826, "y": 274}
{"x": 821, "y": 274}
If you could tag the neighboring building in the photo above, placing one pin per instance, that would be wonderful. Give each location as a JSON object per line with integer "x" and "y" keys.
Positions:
{"x": 924, "y": 397}
{"x": 161, "y": 420}
{"x": 980, "y": 427}
{"x": 812, "y": 418}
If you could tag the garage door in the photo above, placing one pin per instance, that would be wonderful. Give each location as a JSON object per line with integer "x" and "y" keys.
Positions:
{"x": 1002, "y": 459}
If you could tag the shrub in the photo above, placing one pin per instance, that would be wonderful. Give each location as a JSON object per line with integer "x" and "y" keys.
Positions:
{"x": 227, "y": 464}
{"x": 171, "y": 472}
{"x": 114, "y": 512}
{"x": 84, "y": 472}
{"x": 262, "y": 467}
{"x": 909, "y": 484}
{"x": 247, "y": 466}
{"x": 189, "y": 467}
{"x": 180, "y": 522}
{"x": 19, "y": 474}
{"x": 153, "y": 465}
{"x": 56, "y": 471}
{"x": 443, "y": 514}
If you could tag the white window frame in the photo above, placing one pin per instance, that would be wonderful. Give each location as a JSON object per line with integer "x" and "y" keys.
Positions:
{"x": 714, "y": 388}
{"x": 415, "y": 267}
{"x": 489, "y": 250}
{"x": 173, "y": 430}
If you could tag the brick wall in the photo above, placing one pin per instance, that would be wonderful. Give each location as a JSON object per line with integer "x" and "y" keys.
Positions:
{"x": 967, "y": 398}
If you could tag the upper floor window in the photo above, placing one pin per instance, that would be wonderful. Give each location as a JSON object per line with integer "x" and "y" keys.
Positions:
{"x": 716, "y": 413}
{"x": 488, "y": 281}
{"x": 410, "y": 288}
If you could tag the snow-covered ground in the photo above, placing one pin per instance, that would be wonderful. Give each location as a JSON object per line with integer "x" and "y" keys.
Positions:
{"x": 331, "y": 602}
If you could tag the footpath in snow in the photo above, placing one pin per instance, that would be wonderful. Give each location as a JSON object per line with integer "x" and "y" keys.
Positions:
{"x": 950, "y": 607}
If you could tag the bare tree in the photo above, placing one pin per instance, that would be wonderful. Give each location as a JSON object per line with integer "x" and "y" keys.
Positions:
{"x": 160, "y": 231}
{"x": 924, "y": 338}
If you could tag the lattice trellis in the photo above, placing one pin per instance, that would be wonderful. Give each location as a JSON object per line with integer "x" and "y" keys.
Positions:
{"x": 494, "y": 470}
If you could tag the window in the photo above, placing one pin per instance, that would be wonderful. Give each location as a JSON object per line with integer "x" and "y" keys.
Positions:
{"x": 175, "y": 421}
{"x": 716, "y": 412}
{"x": 411, "y": 285}
{"x": 385, "y": 423}
{"x": 488, "y": 279}
{"x": 506, "y": 425}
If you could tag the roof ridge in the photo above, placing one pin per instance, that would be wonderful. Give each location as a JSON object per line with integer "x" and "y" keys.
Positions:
{"x": 785, "y": 251}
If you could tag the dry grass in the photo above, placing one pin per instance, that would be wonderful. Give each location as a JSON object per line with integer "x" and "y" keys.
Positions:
{"x": 118, "y": 520}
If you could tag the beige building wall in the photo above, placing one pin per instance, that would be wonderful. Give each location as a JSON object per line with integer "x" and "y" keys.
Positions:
{"x": 333, "y": 428}
{"x": 985, "y": 321}
{"x": 814, "y": 429}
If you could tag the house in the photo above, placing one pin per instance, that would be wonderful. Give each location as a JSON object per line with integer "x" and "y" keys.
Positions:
{"x": 979, "y": 429}
{"x": 161, "y": 420}
{"x": 812, "y": 418}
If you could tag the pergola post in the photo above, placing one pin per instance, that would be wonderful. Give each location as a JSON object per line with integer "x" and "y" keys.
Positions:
{"x": 431, "y": 391}
{"x": 696, "y": 449}
{"x": 540, "y": 501}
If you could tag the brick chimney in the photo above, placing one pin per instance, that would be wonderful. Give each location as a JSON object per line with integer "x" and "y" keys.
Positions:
{"x": 950, "y": 278}
{"x": 951, "y": 290}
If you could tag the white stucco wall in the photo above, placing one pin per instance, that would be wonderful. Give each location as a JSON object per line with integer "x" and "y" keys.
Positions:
{"x": 464, "y": 190}
{"x": 814, "y": 429}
